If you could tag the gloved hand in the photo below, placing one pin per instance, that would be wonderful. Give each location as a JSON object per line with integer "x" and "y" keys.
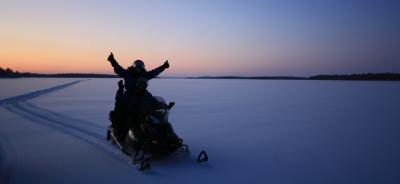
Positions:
{"x": 111, "y": 57}
{"x": 166, "y": 64}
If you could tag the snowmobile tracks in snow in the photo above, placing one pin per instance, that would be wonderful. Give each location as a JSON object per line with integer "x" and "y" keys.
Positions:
{"x": 37, "y": 93}
{"x": 82, "y": 130}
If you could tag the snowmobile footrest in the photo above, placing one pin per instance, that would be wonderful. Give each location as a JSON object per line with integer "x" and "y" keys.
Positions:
{"x": 185, "y": 147}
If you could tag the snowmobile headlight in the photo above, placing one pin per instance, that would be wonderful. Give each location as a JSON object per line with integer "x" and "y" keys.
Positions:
{"x": 131, "y": 135}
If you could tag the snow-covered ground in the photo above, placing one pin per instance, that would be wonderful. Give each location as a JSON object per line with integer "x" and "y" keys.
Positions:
{"x": 255, "y": 131}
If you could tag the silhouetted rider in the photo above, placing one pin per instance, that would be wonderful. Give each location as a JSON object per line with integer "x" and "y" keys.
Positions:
{"x": 136, "y": 76}
{"x": 136, "y": 100}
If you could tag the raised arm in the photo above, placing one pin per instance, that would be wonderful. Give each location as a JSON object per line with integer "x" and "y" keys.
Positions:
{"x": 121, "y": 72}
{"x": 155, "y": 72}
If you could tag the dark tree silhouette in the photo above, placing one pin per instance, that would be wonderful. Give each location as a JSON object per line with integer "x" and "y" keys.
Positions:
{"x": 367, "y": 76}
{"x": 9, "y": 73}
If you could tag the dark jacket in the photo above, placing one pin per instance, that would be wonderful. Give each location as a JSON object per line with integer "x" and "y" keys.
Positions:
{"x": 131, "y": 77}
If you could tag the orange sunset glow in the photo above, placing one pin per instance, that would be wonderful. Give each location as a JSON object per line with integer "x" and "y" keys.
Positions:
{"x": 197, "y": 38}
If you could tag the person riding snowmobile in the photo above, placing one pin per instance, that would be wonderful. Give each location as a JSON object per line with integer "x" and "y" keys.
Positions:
{"x": 136, "y": 100}
{"x": 140, "y": 126}
{"x": 135, "y": 74}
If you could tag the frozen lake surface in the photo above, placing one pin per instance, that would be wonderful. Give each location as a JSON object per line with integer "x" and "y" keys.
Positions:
{"x": 255, "y": 131}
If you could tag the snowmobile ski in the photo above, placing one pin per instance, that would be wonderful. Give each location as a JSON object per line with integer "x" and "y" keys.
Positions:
{"x": 144, "y": 165}
{"x": 203, "y": 157}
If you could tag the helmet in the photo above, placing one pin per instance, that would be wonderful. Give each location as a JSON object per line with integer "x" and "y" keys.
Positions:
{"x": 138, "y": 64}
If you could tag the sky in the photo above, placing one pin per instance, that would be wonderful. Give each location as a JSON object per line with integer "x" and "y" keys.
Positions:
{"x": 204, "y": 37}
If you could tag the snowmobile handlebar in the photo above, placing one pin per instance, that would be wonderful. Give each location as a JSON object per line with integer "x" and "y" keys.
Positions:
{"x": 171, "y": 104}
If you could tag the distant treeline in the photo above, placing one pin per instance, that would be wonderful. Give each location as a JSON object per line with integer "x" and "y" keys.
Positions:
{"x": 258, "y": 77}
{"x": 367, "y": 76}
{"x": 9, "y": 73}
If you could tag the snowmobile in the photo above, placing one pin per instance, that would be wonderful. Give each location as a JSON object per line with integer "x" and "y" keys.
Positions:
{"x": 155, "y": 133}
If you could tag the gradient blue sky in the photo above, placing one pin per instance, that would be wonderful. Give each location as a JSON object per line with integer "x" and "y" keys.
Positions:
{"x": 219, "y": 37}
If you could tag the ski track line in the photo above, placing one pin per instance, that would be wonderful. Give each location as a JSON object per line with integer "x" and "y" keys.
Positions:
{"x": 44, "y": 116}
{"x": 93, "y": 141}
{"x": 37, "y": 93}
{"x": 6, "y": 167}
{"x": 61, "y": 116}
{"x": 59, "y": 122}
